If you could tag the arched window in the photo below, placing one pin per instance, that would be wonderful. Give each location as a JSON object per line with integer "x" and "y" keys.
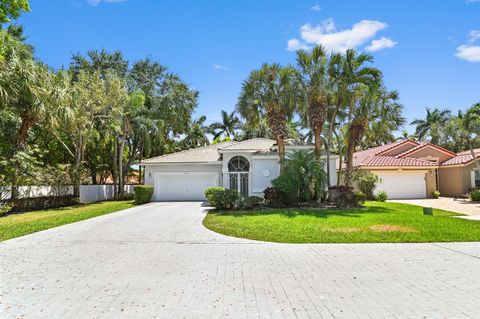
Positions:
{"x": 238, "y": 164}
{"x": 238, "y": 168}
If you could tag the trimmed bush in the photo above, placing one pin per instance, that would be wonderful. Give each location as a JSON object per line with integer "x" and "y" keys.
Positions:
{"x": 360, "y": 197}
{"x": 5, "y": 208}
{"x": 27, "y": 204}
{"x": 143, "y": 194}
{"x": 250, "y": 202}
{"x": 474, "y": 195}
{"x": 222, "y": 198}
{"x": 287, "y": 184}
{"x": 367, "y": 182}
{"x": 274, "y": 197}
{"x": 343, "y": 196}
{"x": 435, "y": 194}
{"x": 381, "y": 196}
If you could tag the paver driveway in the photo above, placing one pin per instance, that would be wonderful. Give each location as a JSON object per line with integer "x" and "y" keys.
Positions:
{"x": 157, "y": 261}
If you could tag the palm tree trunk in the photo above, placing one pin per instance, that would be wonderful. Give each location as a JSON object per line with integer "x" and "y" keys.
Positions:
{"x": 121, "y": 182}
{"x": 352, "y": 140}
{"x": 78, "y": 161}
{"x": 340, "y": 162}
{"x": 115, "y": 167}
{"x": 317, "y": 131}
{"x": 281, "y": 153}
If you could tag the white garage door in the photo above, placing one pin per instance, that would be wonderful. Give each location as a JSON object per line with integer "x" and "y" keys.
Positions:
{"x": 183, "y": 185}
{"x": 403, "y": 185}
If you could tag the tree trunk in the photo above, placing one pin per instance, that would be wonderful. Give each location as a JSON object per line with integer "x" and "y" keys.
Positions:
{"x": 350, "y": 150}
{"x": 281, "y": 153}
{"x": 27, "y": 123}
{"x": 121, "y": 182}
{"x": 318, "y": 142}
{"x": 114, "y": 167}
{"x": 78, "y": 161}
{"x": 331, "y": 126}
{"x": 340, "y": 164}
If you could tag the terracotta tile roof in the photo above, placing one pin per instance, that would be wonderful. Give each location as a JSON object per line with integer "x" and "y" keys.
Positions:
{"x": 372, "y": 157}
{"x": 462, "y": 158}
{"x": 423, "y": 145}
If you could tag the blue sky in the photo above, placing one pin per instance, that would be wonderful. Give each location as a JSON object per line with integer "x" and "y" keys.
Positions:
{"x": 428, "y": 50}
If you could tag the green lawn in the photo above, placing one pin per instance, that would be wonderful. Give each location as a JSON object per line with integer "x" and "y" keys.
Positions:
{"x": 375, "y": 223}
{"x": 12, "y": 226}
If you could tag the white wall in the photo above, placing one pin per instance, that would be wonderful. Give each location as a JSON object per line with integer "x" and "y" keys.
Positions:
{"x": 36, "y": 191}
{"x": 264, "y": 171}
{"x": 97, "y": 193}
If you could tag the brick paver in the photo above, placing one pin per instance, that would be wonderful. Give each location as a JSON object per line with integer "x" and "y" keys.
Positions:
{"x": 158, "y": 261}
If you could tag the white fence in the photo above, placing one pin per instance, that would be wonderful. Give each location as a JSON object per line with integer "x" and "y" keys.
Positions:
{"x": 97, "y": 193}
{"x": 88, "y": 193}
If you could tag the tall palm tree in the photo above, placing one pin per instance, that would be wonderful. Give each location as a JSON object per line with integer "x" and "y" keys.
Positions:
{"x": 371, "y": 105}
{"x": 471, "y": 126}
{"x": 270, "y": 92}
{"x": 227, "y": 127}
{"x": 314, "y": 85}
{"x": 197, "y": 134}
{"x": 434, "y": 117}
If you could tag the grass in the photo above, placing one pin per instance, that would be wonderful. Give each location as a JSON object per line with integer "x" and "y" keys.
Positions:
{"x": 375, "y": 223}
{"x": 17, "y": 225}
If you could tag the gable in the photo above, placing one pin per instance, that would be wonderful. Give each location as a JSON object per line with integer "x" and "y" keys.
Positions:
{"x": 430, "y": 152}
{"x": 399, "y": 148}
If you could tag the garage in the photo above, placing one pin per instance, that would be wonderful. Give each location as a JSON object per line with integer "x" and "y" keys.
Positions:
{"x": 403, "y": 185}
{"x": 183, "y": 185}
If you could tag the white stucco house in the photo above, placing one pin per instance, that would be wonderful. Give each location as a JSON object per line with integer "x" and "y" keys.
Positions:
{"x": 248, "y": 166}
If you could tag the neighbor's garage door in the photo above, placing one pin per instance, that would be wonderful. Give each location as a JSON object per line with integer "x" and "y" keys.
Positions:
{"x": 183, "y": 185}
{"x": 403, "y": 185}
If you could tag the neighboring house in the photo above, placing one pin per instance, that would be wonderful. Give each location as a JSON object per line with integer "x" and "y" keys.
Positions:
{"x": 248, "y": 166}
{"x": 414, "y": 170}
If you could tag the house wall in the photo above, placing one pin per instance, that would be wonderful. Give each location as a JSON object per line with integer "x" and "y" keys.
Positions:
{"x": 264, "y": 171}
{"x": 150, "y": 170}
{"x": 451, "y": 181}
{"x": 427, "y": 152}
{"x": 466, "y": 173}
{"x": 431, "y": 183}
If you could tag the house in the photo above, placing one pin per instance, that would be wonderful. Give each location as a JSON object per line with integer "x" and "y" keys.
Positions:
{"x": 248, "y": 166}
{"x": 409, "y": 169}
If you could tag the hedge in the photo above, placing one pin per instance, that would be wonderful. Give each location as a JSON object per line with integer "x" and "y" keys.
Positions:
{"x": 143, "y": 194}
{"x": 26, "y": 204}
{"x": 222, "y": 198}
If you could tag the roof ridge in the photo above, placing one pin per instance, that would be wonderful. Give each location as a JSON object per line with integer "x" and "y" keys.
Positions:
{"x": 395, "y": 144}
{"x": 188, "y": 149}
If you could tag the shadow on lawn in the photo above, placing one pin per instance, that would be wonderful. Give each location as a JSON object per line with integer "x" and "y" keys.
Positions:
{"x": 294, "y": 212}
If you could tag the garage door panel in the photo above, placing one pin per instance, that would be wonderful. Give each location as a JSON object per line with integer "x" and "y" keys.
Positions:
{"x": 400, "y": 186}
{"x": 183, "y": 185}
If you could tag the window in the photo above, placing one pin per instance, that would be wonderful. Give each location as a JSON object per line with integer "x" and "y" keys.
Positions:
{"x": 477, "y": 178}
{"x": 238, "y": 168}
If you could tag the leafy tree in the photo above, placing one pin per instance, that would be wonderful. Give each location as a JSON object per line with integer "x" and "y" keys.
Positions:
{"x": 270, "y": 92}
{"x": 11, "y": 9}
{"x": 197, "y": 135}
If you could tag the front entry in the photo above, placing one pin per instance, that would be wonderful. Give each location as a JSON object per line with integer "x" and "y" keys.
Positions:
{"x": 238, "y": 170}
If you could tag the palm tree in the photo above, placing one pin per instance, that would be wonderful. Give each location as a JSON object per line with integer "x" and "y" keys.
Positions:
{"x": 227, "y": 127}
{"x": 314, "y": 84}
{"x": 371, "y": 105}
{"x": 433, "y": 117}
{"x": 270, "y": 92}
{"x": 259, "y": 130}
{"x": 197, "y": 134}
{"x": 471, "y": 126}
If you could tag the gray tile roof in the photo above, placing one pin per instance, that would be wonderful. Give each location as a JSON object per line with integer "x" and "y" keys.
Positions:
{"x": 201, "y": 154}
{"x": 252, "y": 144}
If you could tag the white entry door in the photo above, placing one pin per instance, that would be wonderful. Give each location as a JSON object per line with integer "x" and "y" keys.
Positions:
{"x": 183, "y": 185}
{"x": 403, "y": 185}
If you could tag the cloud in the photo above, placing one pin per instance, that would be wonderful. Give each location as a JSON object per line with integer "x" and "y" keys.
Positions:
{"x": 470, "y": 52}
{"x": 335, "y": 40}
{"x": 316, "y": 8}
{"x": 380, "y": 44}
{"x": 221, "y": 67}
{"x": 97, "y": 2}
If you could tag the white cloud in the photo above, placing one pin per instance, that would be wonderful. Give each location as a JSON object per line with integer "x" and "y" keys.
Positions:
{"x": 220, "y": 67}
{"x": 470, "y": 53}
{"x": 97, "y": 2}
{"x": 295, "y": 45}
{"x": 380, "y": 44}
{"x": 316, "y": 8}
{"x": 327, "y": 35}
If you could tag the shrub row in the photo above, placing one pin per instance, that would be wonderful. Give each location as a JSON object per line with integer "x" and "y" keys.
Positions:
{"x": 26, "y": 204}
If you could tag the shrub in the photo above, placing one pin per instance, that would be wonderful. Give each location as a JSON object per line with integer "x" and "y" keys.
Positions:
{"x": 143, "y": 194}
{"x": 367, "y": 182}
{"x": 288, "y": 185}
{"x": 360, "y": 197}
{"x": 222, "y": 198}
{"x": 343, "y": 196}
{"x": 435, "y": 194}
{"x": 26, "y": 204}
{"x": 474, "y": 195}
{"x": 5, "y": 208}
{"x": 381, "y": 196}
{"x": 250, "y": 202}
{"x": 274, "y": 197}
